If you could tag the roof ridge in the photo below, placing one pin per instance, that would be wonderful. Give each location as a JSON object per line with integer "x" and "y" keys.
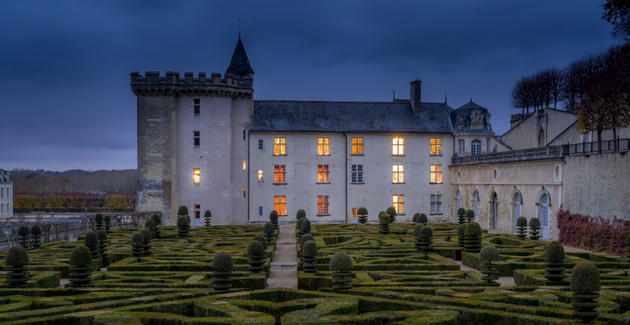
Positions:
{"x": 336, "y": 101}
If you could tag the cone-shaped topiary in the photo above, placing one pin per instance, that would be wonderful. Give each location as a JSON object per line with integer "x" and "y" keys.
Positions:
{"x": 470, "y": 215}
{"x": 554, "y": 263}
{"x": 461, "y": 216}
{"x": 80, "y": 266}
{"x": 262, "y": 240}
{"x": 36, "y": 232}
{"x": 362, "y": 214}
{"x": 422, "y": 219}
{"x": 473, "y": 238}
{"x": 489, "y": 254}
{"x": 146, "y": 243}
{"x": 158, "y": 221}
{"x": 24, "y": 236}
{"x": 98, "y": 221}
{"x": 91, "y": 241}
{"x": 392, "y": 213}
{"x": 256, "y": 254}
{"x": 383, "y": 224}
{"x": 585, "y": 285}
{"x": 309, "y": 256}
{"x": 102, "y": 246}
{"x": 108, "y": 223}
{"x": 273, "y": 218}
{"x": 137, "y": 247}
{"x": 534, "y": 228}
{"x": 269, "y": 232}
{"x": 424, "y": 239}
{"x": 16, "y": 263}
{"x": 150, "y": 224}
{"x": 521, "y": 227}
{"x": 183, "y": 227}
{"x": 341, "y": 267}
{"x": 207, "y": 216}
{"x": 182, "y": 211}
{"x": 461, "y": 235}
{"x": 222, "y": 265}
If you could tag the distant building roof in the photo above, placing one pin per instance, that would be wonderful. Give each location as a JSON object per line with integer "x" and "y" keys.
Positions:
{"x": 239, "y": 62}
{"x": 314, "y": 116}
{"x": 466, "y": 110}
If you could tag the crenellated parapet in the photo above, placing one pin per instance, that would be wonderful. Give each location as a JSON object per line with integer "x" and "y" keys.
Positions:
{"x": 152, "y": 84}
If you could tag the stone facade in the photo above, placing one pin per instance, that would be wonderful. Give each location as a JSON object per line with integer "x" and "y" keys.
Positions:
{"x": 6, "y": 195}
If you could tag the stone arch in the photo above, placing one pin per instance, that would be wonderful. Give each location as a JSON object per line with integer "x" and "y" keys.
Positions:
{"x": 475, "y": 203}
{"x": 458, "y": 198}
{"x": 516, "y": 202}
{"x": 493, "y": 210}
{"x": 543, "y": 202}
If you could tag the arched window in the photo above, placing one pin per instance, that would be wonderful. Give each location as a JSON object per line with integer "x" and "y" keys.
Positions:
{"x": 476, "y": 204}
{"x": 495, "y": 207}
{"x": 541, "y": 138}
{"x": 458, "y": 196}
{"x": 475, "y": 147}
{"x": 518, "y": 206}
{"x": 544, "y": 215}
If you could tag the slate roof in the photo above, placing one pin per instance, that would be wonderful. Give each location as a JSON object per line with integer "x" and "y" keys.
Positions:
{"x": 239, "y": 62}
{"x": 321, "y": 116}
{"x": 466, "y": 109}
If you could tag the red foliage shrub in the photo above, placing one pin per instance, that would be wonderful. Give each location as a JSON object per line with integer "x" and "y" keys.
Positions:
{"x": 593, "y": 233}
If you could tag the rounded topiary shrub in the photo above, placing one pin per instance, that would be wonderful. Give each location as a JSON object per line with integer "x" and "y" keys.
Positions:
{"x": 102, "y": 246}
{"x": 461, "y": 216}
{"x": 98, "y": 217}
{"x": 207, "y": 216}
{"x": 23, "y": 236}
{"x": 137, "y": 247}
{"x": 362, "y": 214}
{"x": 108, "y": 222}
{"x": 521, "y": 227}
{"x": 80, "y": 266}
{"x": 415, "y": 217}
{"x": 182, "y": 211}
{"x": 101, "y": 235}
{"x": 306, "y": 226}
{"x": 392, "y": 213}
{"x": 534, "y": 228}
{"x": 487, "y": 255}
{"x": 585, "y": 285}
{"x": 473, "y": 237}
{"x": 150, "y": 224}
{"x": 262, "y": 240}
{"x": 554, "y": 263}
{"x": 81, "y": 256}
{"x": 16, "y": 263}
{"x": 269, "y": 232}
{"x": 98, "y": 221}
{"x": 422, "y": 219}
{"x": 273, "y": 215}
{"x": 383, "y": 223}
{"x": 146, "y": 234}
{"x": 183, "y": 227}
{"x": 300, "y": 214}
{"x": 309, "y": 256}
{"x": 256, "y": 254}
{"x": 470, "y": 215}
{"x": 91, "y": 241}
{"x": 156, "y": 218}
{"x": 36, "y": 232}
{"x": 341, "y": 267}
{"x": 424, "y": 239}
{"x": 223, "y": 265}
{"x": 157, "y": 233}
{"x": 461, "y": 235}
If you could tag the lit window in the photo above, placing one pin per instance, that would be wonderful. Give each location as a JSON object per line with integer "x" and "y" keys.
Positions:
{"x": 355, "y": 212}
{"x": 461, "y": 144}
{"x": 279, "y": 174}
{"x": 197, "y": 175}
{"x": 357, "y": 173}
{"x": 197, "y": 106}
{"x": 436, "y": 203}
{"x": 244, "y": 164}
{"x": 260, "y": 144}
{"x": 260, "y": 210}
{"x": 357, "y": 146}
{"x": 398, "y": 202}
{"x": 196, "y": 138}
{"x": 197, "y": 209}
{"x": 398, "y": 146}
{"x": 436, "y": 174}
{"x": 279, "y": 146}
{"x": 260, "y": 174}
{"x": 398, "y": 174}
{"x": 244, "y": 191}
{"x": 475, "y": 147}
{"x": 322, "y": 173}
{"x": 323, "y": 147}
{"x": 280, "y": 205}
{"x": 436, "y": 146}
{"x": 322, "y": 205}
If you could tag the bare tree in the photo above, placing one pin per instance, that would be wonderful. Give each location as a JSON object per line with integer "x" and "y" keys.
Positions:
{"x": 617, "y": 13}
{"x": 554, "y": 76}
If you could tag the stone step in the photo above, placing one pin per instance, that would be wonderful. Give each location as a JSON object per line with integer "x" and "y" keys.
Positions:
{"x": 283, "y": 266}
{"x": 285, "y": 243}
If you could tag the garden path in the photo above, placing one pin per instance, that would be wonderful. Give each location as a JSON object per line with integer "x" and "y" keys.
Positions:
{"x": 284, "y": 265}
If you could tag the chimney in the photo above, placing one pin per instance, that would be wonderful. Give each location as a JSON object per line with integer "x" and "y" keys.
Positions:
{"x": 416, "y": 97}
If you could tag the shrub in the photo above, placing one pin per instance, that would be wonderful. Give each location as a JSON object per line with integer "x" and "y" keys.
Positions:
{"x": 222, "y": 261}
{"x": 91, "y": 239}
{"x": 262, "y": 240}
{"x": 273, "y": 215}
{"x": 470, "y": 215}
{"x": 182, "y": 211}
{"x": 309, "y": 256}
{"x": 309, "y": 248}
{"x": 392, "y": 213}
{"x": 222, "y": 264}
{"x": 107, "y": 218}
{"x": 461, "y": 235}
{"x": 585, "y": 285}
{"x": 415, "y": 217}
{"x": 298, "y": 225}
{"x": 268, "y": 228}
{"x": 306, "y": 226}
{"x": 416, "y": 230}
{"x": 461, "y": 216}
{"x": 422, "y": 218}
{"x": 341, "y": 262}
{"x": 304, "y": 239}
{"x": 102, "y": 235}
{"x": 23, "y": 231}
{"x": 534, "y": 228}
{"x": 255, "y": 248}
{"x": 555, "y": 252}
{"x": 473, "y": 237}
{"x": 207, "y": 216}
{"x": 256, "y": 255}
{"x": 81, "y": 256}
{"x": 521, "y": 222}
{"x": 362, "y": 211}
{"x": 489, "y": 253}
{"x": 426, "y": 232}
{"x": 146, "y": 234}
{"x": 17, "y": 256}
{"x": 98, "y": 217}
{"x": 593, "y": 233}
{"x": 182, "y": 222}
{"x": 385, "y": 219}
{"x": 137, "y": 238}
{"x": 554, "y": 262}
{"x": 300, "y": 214}
{"x": 461, "y": 212}
{"x": 36, "y": 230}
{"x": 156, "y": 218}
{"x": 150, "y": 224}
{"x": 521, "y": 227}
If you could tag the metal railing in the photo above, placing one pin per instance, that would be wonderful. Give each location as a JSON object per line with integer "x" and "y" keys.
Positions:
{"x": 66, "y": 228}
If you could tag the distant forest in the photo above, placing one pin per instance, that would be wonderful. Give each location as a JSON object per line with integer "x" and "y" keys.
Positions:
{"x": 40, "y": 182}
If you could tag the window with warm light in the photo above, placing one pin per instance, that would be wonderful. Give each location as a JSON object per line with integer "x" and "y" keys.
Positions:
{"x": 355, "y": 212}
{"x": 398, "y": 202}
{"x": 398, "y": 174}
{"x": 260, "y": 175}
{"x": 196, "y": 138}
{"x": 357, "y": 174}
{"x": 323, "y": 147}
{"x": 436, "y": 146}
{"x": 436, "y": 174}
{"x": 244, "y": 191}
{"x": 197, "y": 106}
{"x": 280, "y": 204}
{"x": 436, "y": 204}
{"x": 197, "y": 175}
{"x": 322, "y": 205}
{"x": 279, "y": 146}
{"x": 398, "y": 146}
{"x": 244, "y": 164}
{"x": 197, "y": 209}
{"x": 279, "y": 174}
{"x": 322, "y": 173}
{"x": 357, "y": 146}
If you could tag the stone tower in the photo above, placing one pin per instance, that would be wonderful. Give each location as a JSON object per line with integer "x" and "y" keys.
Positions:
{"x": 193, "y": 140}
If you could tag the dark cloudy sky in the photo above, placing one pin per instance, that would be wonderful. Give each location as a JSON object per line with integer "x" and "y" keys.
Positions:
{"x": 65, "y": 100}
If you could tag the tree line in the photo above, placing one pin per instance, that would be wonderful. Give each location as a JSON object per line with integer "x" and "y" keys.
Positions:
{"x": 39, "y": 182}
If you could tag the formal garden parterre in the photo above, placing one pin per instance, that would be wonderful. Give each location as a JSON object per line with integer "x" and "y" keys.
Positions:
{"x": 385, "y": 273}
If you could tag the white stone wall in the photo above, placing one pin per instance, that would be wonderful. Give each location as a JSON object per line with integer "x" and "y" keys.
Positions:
{"x": 525, "y": 134}
{"x": 375, "y": 193}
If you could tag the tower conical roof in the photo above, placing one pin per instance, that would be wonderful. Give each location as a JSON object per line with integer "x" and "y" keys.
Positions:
{"x": 239, "y": 63}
